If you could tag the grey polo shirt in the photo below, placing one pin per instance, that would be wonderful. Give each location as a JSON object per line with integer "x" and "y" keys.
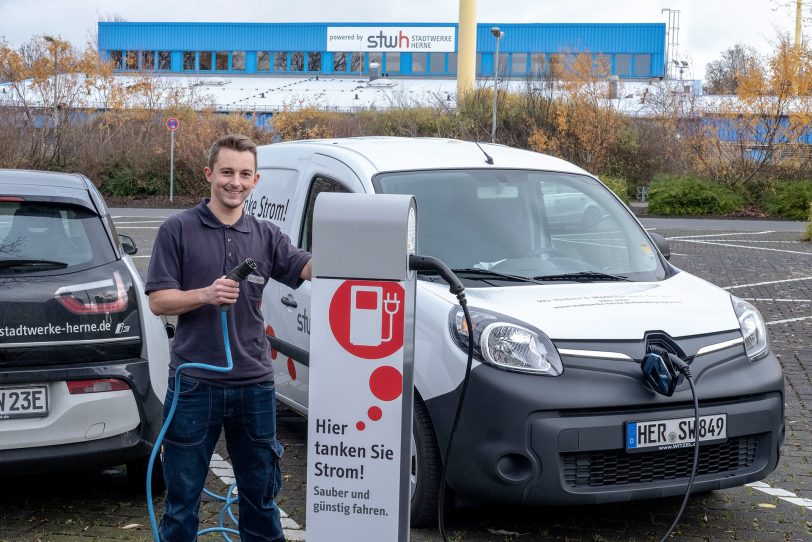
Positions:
{"x": 192, "y": 249}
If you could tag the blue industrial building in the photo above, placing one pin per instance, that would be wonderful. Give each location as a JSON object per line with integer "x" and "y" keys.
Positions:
{"x": 631, "y": 51}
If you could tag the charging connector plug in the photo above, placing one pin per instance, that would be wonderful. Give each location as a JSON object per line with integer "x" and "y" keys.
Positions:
{"x": 680, "y": 365}
{"x": 430, "y": 263}
{"x": 239, "y": 274}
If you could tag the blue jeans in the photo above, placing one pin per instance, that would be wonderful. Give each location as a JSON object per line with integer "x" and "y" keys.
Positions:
{"x": 248, "y": 415}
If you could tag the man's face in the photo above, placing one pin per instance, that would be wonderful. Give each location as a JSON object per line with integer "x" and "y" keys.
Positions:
{"x": 232, "y": 178}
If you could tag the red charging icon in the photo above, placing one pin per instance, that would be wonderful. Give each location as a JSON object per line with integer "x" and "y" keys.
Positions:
{"x": 366, "y": 318}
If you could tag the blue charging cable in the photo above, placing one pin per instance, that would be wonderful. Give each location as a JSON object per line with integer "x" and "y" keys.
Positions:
{"x": 238, "y": 274}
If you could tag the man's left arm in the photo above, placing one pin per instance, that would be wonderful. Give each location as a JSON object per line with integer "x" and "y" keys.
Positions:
{"x": 307, "y": 270}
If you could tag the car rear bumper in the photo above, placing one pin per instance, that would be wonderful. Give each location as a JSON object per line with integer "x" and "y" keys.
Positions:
{"x": 541, "y": 440}
{"x": 115, "y": 450}
{"x": 87, "y": 430}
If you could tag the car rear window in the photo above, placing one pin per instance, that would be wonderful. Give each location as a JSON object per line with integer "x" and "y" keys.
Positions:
{"x": 32, "y": 232}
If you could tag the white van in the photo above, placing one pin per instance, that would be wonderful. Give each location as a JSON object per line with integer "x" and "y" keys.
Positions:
{"x": 573, "y": 293}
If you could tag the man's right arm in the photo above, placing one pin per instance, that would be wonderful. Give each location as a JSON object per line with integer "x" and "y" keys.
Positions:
{"x": 172, "y": 302}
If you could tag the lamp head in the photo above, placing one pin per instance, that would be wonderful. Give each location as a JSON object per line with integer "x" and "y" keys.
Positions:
{"x": 497, "y": 33}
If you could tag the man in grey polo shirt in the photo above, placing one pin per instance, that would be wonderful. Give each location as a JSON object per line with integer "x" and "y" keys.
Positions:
{"x": 193, "y": 252}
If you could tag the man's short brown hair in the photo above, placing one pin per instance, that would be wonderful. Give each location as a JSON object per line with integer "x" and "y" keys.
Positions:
{"x": 235, "y": 142}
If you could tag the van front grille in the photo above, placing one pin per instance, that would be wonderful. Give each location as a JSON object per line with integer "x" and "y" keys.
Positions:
{"x": 617, "y": 467}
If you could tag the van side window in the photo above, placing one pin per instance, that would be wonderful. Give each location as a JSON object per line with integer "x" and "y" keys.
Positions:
{"x": 320, "y": 184}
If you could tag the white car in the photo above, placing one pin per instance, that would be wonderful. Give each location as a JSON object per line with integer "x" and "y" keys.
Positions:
{"x": 558, "y": 410}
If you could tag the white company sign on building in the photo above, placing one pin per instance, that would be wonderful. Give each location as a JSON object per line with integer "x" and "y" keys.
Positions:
{"x": 430, "y": 39}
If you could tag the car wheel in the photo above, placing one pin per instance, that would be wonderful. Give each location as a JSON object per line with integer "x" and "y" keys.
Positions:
{"x": 426, "y": 468}
{"x": 137, "y": 475}
{"x": 591, "y": 218}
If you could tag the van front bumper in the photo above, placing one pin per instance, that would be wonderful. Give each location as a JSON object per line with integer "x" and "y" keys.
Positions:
{"x": 538, "y": 440}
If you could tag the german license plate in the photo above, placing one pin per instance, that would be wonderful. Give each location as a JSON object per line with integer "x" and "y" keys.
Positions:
{"x": 27, "y": 402}
{"x": 677, "y": 433}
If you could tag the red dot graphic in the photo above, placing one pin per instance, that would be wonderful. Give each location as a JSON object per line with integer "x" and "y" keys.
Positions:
{"x": 291, "y": 369}
{"x": 360, "y": 426}
{"x": 271, "y": 333}
{"x": 374, "y": 413}
{"x": 386, "y": 383}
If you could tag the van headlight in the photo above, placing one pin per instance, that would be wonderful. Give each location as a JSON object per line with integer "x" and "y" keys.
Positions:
{"x": 753, "y": 328}
{"x": 506, "y": 344}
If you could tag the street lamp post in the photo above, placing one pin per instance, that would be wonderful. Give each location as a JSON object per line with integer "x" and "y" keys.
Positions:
{"x": 55, "y": 44}
{"x": 498, "y": 34}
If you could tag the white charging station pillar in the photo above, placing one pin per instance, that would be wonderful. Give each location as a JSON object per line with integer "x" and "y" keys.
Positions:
{"x": 361, "y": 368}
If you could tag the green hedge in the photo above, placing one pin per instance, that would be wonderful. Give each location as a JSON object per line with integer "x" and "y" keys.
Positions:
{"x": 674, "y": 195}
{"x": 789, "y": 199}
{"x": 617, "y": 185}
{"x": 122, "y": 179}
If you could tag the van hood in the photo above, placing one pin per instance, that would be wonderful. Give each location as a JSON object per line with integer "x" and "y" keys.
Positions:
{"x": 680, "y": 306}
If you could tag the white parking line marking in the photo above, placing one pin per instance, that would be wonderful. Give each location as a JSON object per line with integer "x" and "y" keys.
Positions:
{"x": 782, "y": 494}
{"x": 745, "y": 246}
{"x": 766, "y": 283}
{"x": 719, "y": 235}
{"x": 116, "y": 217}
{"x": 788, "y": 320}
{"x": 772, "y": 299}
{"x": 588, "y": 243}
{"x": 223, "y": 470}
{"x": 754, "y": 241}
{"x": 144, "y": 256}
{"x": 139, "y": 227}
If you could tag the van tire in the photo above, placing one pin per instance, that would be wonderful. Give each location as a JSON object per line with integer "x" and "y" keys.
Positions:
{"x": 429, "y": 468}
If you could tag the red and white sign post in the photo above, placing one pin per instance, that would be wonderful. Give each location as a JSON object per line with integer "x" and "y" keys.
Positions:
{"x": 172, "y": 124}
{"x": 361, "y": 353}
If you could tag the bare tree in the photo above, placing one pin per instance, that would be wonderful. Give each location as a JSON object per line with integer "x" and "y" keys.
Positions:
{"x": 724, "y": 75}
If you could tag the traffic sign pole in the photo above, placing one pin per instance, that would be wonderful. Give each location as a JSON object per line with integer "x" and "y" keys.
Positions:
{"x": 172, "y": 125}
{"x": 171, "y": 164}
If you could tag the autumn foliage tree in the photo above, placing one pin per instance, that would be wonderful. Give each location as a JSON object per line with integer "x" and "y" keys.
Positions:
{"x": 744, "y": 139}
{"x": 62, "y": 108}
{"x": 585, "y": 123}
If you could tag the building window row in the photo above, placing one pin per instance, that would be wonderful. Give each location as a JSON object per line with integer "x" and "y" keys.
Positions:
{"x": 206, "y": 61}
{"x": 510, "y": 64}
{"x": 141, "y": 60}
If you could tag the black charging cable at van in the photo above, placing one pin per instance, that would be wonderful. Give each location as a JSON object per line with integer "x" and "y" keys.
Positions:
{"x": 429, "y": 263}
{"x": 237, "y": 274}
{"x": 660, "y": 368}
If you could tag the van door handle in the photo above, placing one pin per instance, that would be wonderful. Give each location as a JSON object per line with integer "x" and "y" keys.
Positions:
{"x": 288, "y": 301}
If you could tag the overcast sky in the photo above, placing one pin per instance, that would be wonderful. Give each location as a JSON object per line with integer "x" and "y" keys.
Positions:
{"x": 707, "y": 27}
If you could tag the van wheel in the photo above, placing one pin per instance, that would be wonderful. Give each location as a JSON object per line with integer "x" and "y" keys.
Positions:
{"x": 426, "y": 468}
{"x": 137, "y": 476}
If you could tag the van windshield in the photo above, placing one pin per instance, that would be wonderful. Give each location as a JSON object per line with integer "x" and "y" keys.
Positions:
{"x": 535, "y": 224}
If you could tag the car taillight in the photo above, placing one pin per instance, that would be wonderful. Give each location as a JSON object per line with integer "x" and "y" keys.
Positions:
{"x": 102, "y": 296}
{"x": 11, "y": 199}
{"x": 76, "y": 387}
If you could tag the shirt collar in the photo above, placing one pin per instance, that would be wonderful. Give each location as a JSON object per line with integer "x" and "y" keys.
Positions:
{"x": 208, "y": 218}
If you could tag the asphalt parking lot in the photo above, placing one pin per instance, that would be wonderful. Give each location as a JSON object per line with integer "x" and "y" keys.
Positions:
{"x": 762, "y": 262}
